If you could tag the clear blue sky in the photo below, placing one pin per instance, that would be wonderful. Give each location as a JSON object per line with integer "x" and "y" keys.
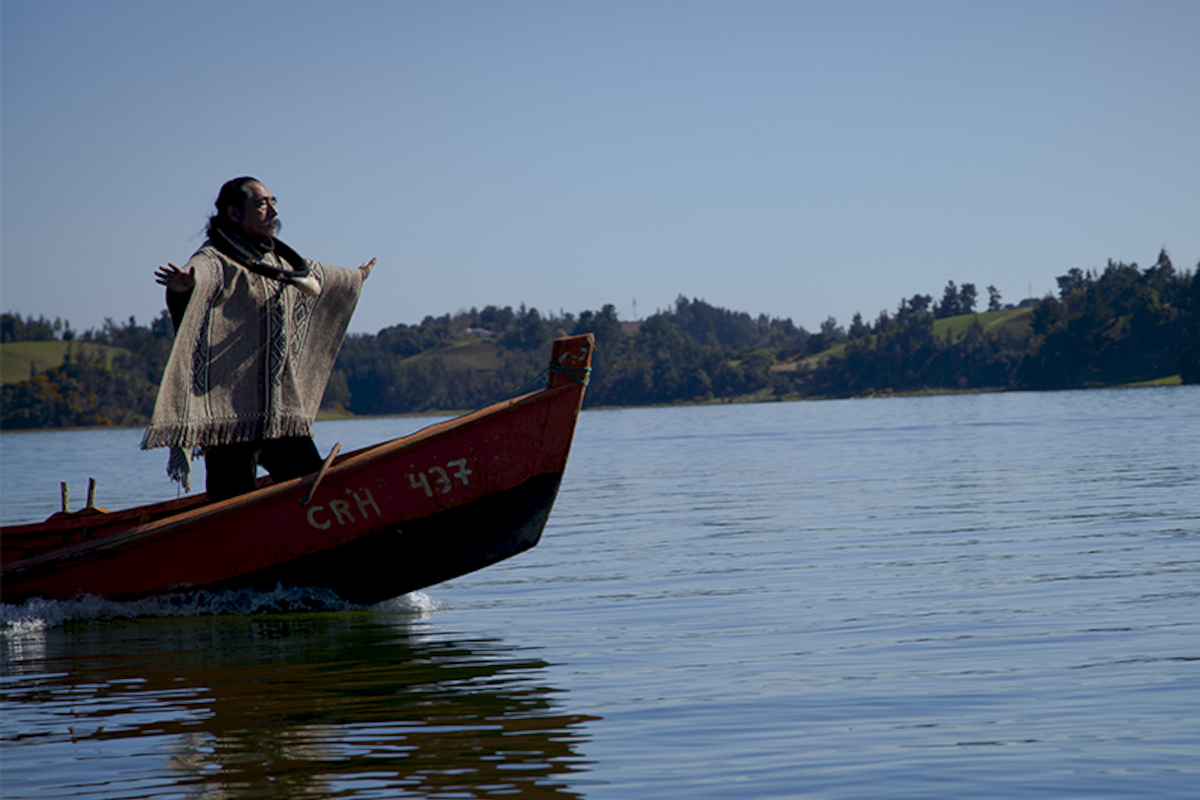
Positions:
{"x": 796, "y": 159}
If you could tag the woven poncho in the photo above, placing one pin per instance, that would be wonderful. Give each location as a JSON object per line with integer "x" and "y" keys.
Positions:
{"x": 252, "y": 355}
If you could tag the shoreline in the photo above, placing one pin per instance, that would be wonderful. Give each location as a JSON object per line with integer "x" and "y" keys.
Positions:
{"x": 759, "y": 397}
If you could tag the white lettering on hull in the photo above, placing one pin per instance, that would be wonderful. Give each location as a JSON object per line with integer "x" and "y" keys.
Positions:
{"x": 342, "y": 512}
{"x": 443, "y": 482}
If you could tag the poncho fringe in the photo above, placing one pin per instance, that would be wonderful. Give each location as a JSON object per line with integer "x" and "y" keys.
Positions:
{"x": 181, "y": 433}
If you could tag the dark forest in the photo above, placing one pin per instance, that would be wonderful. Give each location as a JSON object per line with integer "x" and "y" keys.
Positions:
{"x": 1117, "y": 326}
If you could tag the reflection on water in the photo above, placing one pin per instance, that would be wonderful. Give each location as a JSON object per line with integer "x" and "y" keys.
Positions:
{"x": 282, "y": 706}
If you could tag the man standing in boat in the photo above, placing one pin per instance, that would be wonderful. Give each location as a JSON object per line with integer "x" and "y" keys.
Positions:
{"x": 257, "y": 331}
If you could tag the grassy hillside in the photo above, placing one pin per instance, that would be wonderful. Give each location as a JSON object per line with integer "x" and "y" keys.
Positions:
{"x": 19, "y": 360}
{"x": 1015, "y": 319}
{"x": 469, "y": 354}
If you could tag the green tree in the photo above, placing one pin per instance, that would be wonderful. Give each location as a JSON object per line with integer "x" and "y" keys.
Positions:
{"x": 994, "y": 303}
{"x": 1118, "y": 326}
{"x": 949, "y": 306}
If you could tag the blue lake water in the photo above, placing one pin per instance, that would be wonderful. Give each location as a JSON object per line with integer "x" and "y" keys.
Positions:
{"x": 967, "y": 596}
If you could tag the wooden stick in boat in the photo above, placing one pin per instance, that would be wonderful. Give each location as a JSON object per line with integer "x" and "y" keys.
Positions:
{"x": 320, "y": 474}
{"x": 65, "y": 496}
{"x": 91, "y": 492}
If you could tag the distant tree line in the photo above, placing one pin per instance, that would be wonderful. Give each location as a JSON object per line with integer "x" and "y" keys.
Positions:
{"x": 1115, "y": 326}
{"x": 88, "y": 388}
{"x": 15, "y": 329}
{"x": 1118, "y": 326}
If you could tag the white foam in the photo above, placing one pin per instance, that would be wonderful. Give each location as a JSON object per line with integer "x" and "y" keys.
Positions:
{"x": 37, "y": 615}
{"x": 411, "y": 603}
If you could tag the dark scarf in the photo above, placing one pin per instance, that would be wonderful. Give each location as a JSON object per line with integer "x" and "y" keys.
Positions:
{"x": 251, "y": 255}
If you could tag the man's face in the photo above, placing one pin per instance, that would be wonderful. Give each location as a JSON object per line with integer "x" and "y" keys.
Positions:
{"x": 256, "y": 216}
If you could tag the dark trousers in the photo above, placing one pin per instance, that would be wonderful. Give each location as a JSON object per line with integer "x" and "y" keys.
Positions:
{"x": 232, "y": 469}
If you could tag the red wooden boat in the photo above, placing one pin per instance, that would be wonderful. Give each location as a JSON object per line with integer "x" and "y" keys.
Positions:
{"x": 381, "y": 521}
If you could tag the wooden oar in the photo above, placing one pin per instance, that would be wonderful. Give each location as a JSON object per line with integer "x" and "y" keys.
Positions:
{"x": 320, "y": 474}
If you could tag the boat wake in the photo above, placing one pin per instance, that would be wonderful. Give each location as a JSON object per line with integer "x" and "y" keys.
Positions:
{"x": 37, "y": 615}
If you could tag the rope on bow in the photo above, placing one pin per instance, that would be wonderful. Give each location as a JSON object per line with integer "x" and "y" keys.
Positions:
{"x": 581, "y": 375}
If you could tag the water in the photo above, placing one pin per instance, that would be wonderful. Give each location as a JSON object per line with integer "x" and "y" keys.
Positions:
{"x": 968, "y": 596}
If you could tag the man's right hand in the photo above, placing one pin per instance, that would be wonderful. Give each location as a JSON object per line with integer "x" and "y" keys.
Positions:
{"x": 175, "y": 279}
